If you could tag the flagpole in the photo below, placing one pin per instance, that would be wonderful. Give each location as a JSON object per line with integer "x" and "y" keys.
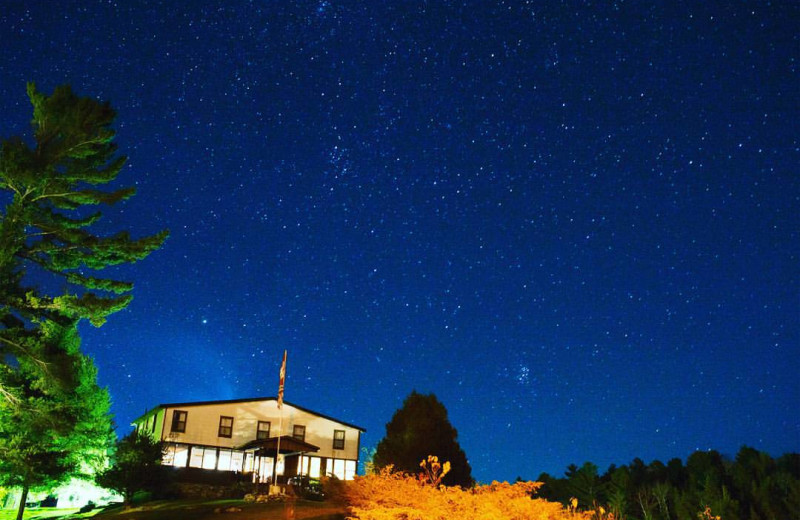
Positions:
{"x": 278, "y": 449}
{"x": 281, "y": 384}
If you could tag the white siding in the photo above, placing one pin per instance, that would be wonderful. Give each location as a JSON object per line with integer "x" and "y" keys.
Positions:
{"x": 202, "y": 426}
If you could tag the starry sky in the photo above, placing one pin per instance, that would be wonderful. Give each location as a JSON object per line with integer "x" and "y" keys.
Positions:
{"x": 574, "y": 222}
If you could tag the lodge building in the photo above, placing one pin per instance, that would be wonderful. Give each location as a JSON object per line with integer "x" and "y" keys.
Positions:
{"x": 253, "y": 438}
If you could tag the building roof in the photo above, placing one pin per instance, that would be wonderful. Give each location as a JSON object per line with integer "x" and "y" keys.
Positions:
{"x": 246, "y": 400}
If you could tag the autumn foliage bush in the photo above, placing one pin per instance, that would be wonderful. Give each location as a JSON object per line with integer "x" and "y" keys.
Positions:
{"x": 390, "y": 495}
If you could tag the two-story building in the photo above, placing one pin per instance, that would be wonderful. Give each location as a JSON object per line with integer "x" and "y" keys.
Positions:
{"x": 253, "y": 436}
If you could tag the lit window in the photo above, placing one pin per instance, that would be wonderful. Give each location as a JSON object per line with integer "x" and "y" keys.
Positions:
{"x": 265, "y": 469}
{"x": 338, "y": 439}
{"x": 236, "y": 461}
{"x": 209, "y": 458}
{"x": 181, "y": 456}
{"x": 224, "y": 462}
{"x": 299, "y": 433}
{"x": 205, "y": 458}
{"x": 196, "y": 458}
{"x": 179, "y": 421}
{"x": 262, "y": 431}
{"x": 225, "y": 426}
{"x": 338, "y": 468}
{"x": 314, "y": 467}
{"x": 349, "y": 469}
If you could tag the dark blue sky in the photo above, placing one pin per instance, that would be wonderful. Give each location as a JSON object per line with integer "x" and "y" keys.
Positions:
{"x": 576, "y": 223}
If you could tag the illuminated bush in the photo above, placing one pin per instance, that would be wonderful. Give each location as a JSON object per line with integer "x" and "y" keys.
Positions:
{"x": 390, "y": 495}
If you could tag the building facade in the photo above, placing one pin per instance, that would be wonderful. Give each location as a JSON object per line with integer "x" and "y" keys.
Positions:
{"x": 254, "y": 437}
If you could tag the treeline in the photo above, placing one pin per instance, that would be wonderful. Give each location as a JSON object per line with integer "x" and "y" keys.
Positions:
{"x": 753, "y": 486}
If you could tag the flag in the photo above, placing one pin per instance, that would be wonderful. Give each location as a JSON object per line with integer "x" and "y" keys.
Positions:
{"x": 282, "y": 381}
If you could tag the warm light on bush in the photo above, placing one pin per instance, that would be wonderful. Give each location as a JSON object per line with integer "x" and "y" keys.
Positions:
{"x": 432, "y": 471}
{"x": 390, "y": 495}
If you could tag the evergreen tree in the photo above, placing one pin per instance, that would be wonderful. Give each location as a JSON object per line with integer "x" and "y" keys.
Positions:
{"x": 47, "y": 221}
{"x": 554, "y": 489}
{"x": 52, "y": 413}
{"x": 618, "y": 489}
{"x": 753, "y": 487}
{"x": 52, "y": 432}
{"x": 136, "y": 467}
{"x": 676, "y": 473}
{"x": 584, "y": 484}
{"x": 418, "y": 429}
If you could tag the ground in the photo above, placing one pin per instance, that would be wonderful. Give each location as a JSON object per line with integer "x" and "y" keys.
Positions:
{"x": 194, "y": 510}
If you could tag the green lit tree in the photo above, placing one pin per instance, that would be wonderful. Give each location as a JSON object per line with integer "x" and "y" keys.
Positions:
{"x": 418, "y": 429}
{"x": 50, "y": 188}
{"x": 51, "y": 430}
{"x": 136, "y": 467}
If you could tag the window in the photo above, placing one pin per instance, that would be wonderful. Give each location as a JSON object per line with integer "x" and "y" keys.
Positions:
{"x": 205, "y": 458}
{"x": 338, "y": 468}
{"x": 309, "y": 466}
{"x": 209, "y": 458}
{"x": 349, "y": 469}
{"x": 338, "y": 439}
{"x": 181, "y": 455}
{"x": 313, "y": 467}
{"x": 196, "y": 457}
{"x": 179, "y": 421}
{"x": 229, "y": 460}
{"x": 262, "y": 431}
{"x": 265, "y": 467}
{"x": 224, "y": 460}
{"x": 225, "y": 426}
{"x": 299, "y": 432}
{"x": 236, "y": 461}
{"x": 248, "y": 462}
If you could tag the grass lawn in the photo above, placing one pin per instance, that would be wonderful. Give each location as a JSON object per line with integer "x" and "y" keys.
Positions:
{"x": 193, "y": 510}
{"x": 36, "y": 513}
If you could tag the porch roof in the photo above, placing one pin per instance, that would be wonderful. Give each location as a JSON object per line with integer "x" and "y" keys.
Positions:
{"x": 270, "y": 446}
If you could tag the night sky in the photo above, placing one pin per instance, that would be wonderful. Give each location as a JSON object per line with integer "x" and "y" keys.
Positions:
{"x": 576, "y": 223}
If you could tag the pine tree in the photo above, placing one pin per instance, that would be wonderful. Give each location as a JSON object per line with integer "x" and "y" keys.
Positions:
{"x": 418, "y": 429}
{"x": 47, "y": 221}
{"x": 584, "y": 484}
{"x": 53, "y": 416}
{"x": 52, "y": 432}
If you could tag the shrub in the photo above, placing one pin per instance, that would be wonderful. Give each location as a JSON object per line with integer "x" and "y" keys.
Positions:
{"x": 390, "y": 495}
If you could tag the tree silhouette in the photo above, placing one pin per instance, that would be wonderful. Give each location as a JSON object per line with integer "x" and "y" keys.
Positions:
{"x": 418, "y": 429}
{"x": 754, "y": 486}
